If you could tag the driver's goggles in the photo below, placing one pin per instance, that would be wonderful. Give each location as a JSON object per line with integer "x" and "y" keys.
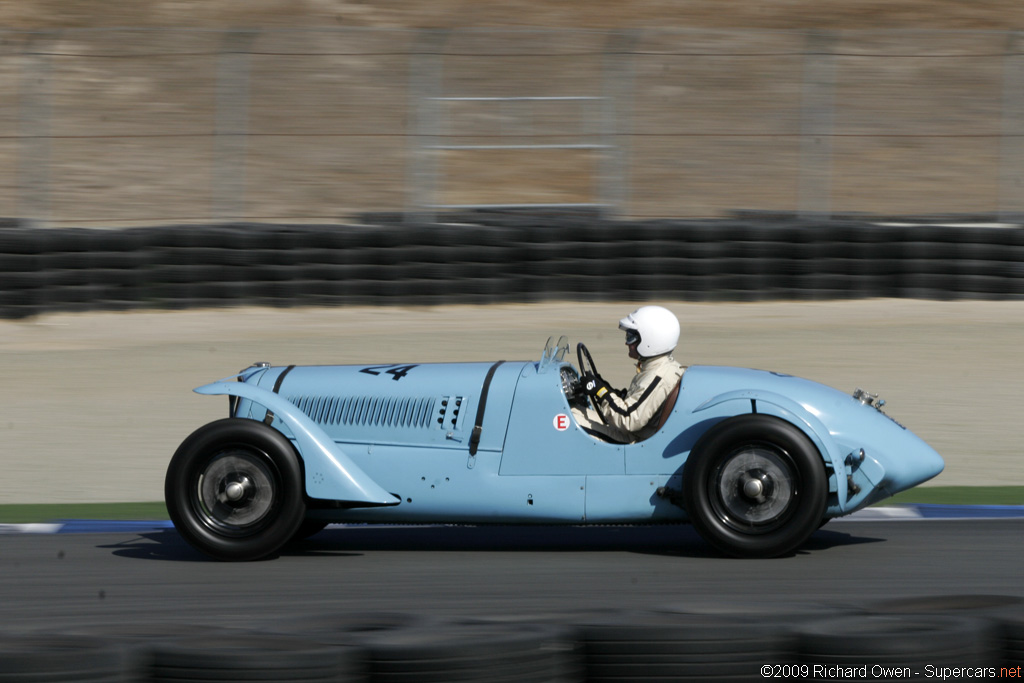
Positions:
{"x": 632, "y": 337}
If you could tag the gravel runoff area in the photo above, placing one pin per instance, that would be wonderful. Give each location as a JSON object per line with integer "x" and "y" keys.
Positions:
{"x": 95, "y": 404}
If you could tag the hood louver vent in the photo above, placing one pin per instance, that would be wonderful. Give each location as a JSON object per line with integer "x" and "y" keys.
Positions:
{"x": 367, "y": 411}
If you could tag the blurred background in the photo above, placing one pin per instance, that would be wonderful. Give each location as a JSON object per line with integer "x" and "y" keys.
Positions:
{"x": 415, "y": 182}
{"x": 321, "y": 111}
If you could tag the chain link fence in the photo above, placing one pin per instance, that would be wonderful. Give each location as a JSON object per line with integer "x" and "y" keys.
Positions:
{"x": 130, "y": 127}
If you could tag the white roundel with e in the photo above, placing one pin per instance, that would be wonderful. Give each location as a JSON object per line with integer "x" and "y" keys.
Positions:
{"x": 561, "y": 422}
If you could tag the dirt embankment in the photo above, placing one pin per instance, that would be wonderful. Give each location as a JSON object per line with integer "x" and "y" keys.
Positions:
{"x": 777, "y": 14}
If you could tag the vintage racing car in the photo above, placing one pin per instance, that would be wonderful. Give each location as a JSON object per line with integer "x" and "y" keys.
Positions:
{"x": 755, "y": 460}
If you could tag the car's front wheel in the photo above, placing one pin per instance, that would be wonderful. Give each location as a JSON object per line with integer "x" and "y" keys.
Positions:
{"x": 755, "y": 486}
{"x": 234, "y": 490}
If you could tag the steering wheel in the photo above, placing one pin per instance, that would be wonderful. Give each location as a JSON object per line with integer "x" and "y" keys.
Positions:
{"x": 586, "y": 361}
{"x": 587, "y": 367}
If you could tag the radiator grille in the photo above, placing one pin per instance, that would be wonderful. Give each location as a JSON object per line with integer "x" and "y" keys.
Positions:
{"x": 368, "y": 411}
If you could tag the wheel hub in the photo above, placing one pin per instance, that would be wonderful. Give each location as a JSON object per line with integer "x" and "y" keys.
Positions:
{"x": 236, "y": 491}
{"x": 754, "y": 488}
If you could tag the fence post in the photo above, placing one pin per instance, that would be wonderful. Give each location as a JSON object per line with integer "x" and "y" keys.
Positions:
{"x": 1011, "y": 181}
{"x": 425, "y": 85}
{"x": 33, "y": 166}
{"x": 613, "y": 180}
{"x": 817, "y": 113}
{"x": 231, "y": 126}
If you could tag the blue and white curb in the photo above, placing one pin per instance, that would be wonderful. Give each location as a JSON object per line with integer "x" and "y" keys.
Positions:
{"x": 895, "y": 513}
{"x": 85, "y": 526}
{"x": 30, "y": 528}
{"x": 936, "y": 511}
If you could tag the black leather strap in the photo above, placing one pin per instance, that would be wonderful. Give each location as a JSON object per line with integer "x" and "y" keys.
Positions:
{"x": 277, "y": 388}
{"x": 474, "y": 439}
{"x": 280, "y": 378}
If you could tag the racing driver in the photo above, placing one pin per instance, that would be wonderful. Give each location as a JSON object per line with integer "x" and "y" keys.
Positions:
{"x": 633, "y": 414}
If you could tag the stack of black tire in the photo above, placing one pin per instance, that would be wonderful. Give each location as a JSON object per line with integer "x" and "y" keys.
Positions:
{"x": 1012, "y": 632}
{"x": 519, "y": 653}
{"x": 757, "y": 642}
{"x": 486, "y": 258}
{"x": 871, "y": 647}
{"x": 250, "y": 657}
{"x": 661, "y": 647}
{"x": 57, "y": 658}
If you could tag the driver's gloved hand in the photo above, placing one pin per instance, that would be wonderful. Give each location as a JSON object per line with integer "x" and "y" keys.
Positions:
{"x": 594, "y": 386}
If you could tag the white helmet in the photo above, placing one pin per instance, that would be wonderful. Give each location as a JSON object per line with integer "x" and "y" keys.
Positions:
{"x": 657, "y": 327}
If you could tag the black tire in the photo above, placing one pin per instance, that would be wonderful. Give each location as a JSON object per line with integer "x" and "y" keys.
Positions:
{"x": 252, "y": 657}
{"x": 234, "y": 490}
{"x": 496, "y": 653}
{"x": 755, "y": 486}
{"x": 657, "y": 646}
{"x": 43, "y": 658}
{"x": 911, "y": 640}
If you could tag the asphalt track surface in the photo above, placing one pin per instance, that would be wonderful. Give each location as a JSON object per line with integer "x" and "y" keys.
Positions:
{"x": 61, "y": 582}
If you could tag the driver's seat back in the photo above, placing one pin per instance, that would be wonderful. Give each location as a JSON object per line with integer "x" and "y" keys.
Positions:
{"x": 668, "y": 405}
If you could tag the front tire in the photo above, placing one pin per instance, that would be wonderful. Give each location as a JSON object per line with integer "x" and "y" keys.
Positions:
{"x": 234, "y": 490}
{"x": 755, "y": 486}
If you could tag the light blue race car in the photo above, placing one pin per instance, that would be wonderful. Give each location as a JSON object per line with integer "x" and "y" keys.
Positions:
{"x": 755, "y": 460}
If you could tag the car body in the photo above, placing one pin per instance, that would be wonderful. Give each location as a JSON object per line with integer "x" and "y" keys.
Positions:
{"x": 755, "y": 460}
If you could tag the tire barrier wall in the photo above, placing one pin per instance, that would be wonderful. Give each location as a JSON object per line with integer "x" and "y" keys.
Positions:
{"x": 787, "y": 642}
{"x": 503, "y": 258}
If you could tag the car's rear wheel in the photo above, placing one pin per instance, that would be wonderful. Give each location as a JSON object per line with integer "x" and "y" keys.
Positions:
{"x": 234, "y": 490}
{"x": 755, "y": 486}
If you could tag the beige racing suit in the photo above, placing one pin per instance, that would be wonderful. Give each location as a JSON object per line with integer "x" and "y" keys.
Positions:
{"x": 631, "y": 415}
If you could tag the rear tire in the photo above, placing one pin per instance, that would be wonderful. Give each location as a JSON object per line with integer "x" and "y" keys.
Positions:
{"x": 755, "y": 486}
{"x": 234, "y": 490}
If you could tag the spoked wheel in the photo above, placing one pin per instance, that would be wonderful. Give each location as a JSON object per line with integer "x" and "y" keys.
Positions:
{"x": 755, "y": 486}
{"x": 234, "y": 490}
